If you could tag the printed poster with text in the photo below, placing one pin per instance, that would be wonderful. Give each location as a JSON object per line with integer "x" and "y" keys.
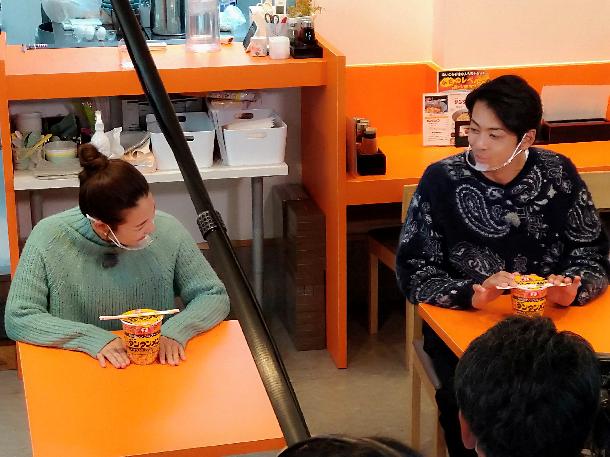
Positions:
{"x": 461, "y": 80}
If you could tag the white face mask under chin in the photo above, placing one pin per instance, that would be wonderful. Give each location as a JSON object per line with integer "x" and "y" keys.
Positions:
{"x": 146, "y": 241}
{"x": 485, "y": 167}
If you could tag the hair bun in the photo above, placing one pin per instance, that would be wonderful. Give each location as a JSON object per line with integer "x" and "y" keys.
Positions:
{"x": 91, "y": 159}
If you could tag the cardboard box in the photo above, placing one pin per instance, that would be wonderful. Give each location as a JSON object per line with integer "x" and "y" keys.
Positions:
{"x": 440, "y": 111}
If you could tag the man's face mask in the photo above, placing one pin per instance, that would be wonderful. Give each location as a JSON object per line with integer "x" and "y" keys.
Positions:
{"x": 486, "y": 167}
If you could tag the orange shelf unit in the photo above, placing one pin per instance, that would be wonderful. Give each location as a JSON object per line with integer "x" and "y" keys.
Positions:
{"x": 95, "y": 72}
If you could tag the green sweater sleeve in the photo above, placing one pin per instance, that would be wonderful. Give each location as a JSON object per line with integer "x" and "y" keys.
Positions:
{"x": 27, "y": 317}
{"x": 205, "y": 298}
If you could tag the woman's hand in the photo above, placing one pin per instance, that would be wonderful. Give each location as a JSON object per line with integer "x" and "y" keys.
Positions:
{"x": 562, "y": 295}
{"x": 115, "y": 353}
{"x": 170, "y": 351}
{"x": 488, "y": 291}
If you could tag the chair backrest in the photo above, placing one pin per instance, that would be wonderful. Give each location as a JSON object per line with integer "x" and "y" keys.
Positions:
{"x": 407, "y": 193}
{"x": 597, "y": 183}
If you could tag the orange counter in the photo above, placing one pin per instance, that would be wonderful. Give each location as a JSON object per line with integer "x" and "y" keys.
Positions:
{"x": 407, "y": 160}
{"x": 212, "y": 404}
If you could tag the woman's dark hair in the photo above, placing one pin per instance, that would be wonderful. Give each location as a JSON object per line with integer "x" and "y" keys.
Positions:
{"x": 108, "y": 186}
{"x": 344, "y": 446}
{"x": 527, "y": 390}
{"x": 513, "y": 100}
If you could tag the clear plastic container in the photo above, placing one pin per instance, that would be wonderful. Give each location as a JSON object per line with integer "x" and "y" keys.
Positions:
{"x": 202, "y": 26}
{"x": 124, "y": 57}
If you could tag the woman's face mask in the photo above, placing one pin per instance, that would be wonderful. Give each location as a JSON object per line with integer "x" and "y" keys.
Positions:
{"x": 138, "y": 223}
{"x": 142, "y": 244}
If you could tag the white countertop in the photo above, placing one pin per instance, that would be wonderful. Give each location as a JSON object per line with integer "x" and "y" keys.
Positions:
{"x": 25, "y": 180}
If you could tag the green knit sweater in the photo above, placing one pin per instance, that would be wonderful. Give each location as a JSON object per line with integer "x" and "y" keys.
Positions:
{"x": 60, "y": 287}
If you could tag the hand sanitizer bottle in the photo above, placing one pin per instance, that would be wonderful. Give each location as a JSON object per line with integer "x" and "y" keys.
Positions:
{"x": 100, "y": 139}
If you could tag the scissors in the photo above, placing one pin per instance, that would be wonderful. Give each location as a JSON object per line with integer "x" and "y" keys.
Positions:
{"x": 272, "y": 18}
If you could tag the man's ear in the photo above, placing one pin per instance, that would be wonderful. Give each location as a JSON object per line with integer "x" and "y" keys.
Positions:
{"x": 468, "y": 438}
{"x": 528, "y": 139}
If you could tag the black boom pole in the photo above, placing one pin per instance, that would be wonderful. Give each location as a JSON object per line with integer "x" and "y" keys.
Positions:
{"x": 243, "y": 302}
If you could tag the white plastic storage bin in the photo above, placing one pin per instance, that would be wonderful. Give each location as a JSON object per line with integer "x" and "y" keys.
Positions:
{"x": 265, "y": 146}
{"x": 199, "y": 133}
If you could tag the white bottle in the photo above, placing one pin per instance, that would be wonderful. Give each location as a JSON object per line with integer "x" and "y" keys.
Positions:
{"x": 99, "y": 138}
{"x": 115, "y": 143}
{"x": 202, "y": 26}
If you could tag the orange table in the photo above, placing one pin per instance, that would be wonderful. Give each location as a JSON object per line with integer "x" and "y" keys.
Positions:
{"x": 458, "y": 328}
{"x": 213, "y": 404}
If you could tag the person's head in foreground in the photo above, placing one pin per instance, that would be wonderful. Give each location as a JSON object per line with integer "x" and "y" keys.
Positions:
{"x": 505, "y": 114}
{"x": 524, "y": 389}
{"x": 343, "y": 446}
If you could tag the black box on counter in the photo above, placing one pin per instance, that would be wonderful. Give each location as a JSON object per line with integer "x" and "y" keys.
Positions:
{"x": 306, "y": 52}
{"x": 575, "y": 131}
{"x": 371, "y": 164}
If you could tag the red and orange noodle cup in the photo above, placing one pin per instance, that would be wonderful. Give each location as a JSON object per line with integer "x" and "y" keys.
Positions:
{"x": 529, "y": 297}
{"x": 142, "y": 336}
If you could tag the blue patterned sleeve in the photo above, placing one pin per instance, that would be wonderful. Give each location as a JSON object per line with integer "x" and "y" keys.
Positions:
{"x": 585, "y": 244}
{"x": 420, "y": 262}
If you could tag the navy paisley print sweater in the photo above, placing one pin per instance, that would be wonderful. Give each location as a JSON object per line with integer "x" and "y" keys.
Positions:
{"x": 461, "y": 228}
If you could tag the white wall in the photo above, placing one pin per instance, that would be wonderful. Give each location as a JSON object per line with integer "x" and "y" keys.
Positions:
{"x": 378, "y": 31}
{"x": 484, "y": 33}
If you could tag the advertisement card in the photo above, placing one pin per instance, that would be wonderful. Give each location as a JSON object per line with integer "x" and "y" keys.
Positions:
{"x": 441, "y": 110}
{"x": 461, "y": 80}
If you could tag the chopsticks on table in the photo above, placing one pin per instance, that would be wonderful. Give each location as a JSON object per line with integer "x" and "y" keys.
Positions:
{"x": 144, "y": 314}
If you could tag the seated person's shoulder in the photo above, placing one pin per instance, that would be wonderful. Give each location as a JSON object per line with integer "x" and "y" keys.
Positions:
{"x": 52, "y": 226}
{"x": 451, "y": 168}
{"x": 552, "y": 159}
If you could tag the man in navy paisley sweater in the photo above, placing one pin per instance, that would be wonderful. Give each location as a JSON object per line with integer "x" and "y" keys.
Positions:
{"x": 498, "y": 208}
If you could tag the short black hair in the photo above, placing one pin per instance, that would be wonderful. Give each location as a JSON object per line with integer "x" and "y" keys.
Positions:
{"x": 513, "y": 100}
{"x": 344, "y": 446}
{"x": 527, "y": 390}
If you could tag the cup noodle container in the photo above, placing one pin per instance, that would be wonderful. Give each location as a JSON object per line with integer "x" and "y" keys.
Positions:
{"x": 142, "y": 337}
{"x": 529, "y": 302}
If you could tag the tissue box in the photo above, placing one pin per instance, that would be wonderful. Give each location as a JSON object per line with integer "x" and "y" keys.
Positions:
{"x": 440, "y": 112}
{"x": 575, "y": 131}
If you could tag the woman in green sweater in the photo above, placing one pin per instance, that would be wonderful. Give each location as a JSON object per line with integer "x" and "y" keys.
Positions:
{"x": 111, "y": 254}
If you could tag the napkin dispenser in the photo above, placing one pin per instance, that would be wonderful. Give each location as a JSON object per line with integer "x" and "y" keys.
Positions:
{"x": 575, "y": 113}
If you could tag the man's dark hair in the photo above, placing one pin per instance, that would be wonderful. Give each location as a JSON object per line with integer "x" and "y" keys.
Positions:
{"x": 513, "y": 100}
{"x": 344, "y": 446}
{"x": 527, "y": 390}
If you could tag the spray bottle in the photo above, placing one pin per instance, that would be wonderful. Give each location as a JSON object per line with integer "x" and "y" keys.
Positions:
{"x": 99, "y": 138}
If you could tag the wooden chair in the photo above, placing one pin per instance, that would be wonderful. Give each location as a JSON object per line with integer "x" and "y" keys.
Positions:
{"x": 382, "y": 244}
{"x": 423, "y": 376}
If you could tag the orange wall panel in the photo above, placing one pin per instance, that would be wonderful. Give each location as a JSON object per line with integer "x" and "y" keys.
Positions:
{"x": 586, "y": 73}
{"x": 389, "y": 95}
